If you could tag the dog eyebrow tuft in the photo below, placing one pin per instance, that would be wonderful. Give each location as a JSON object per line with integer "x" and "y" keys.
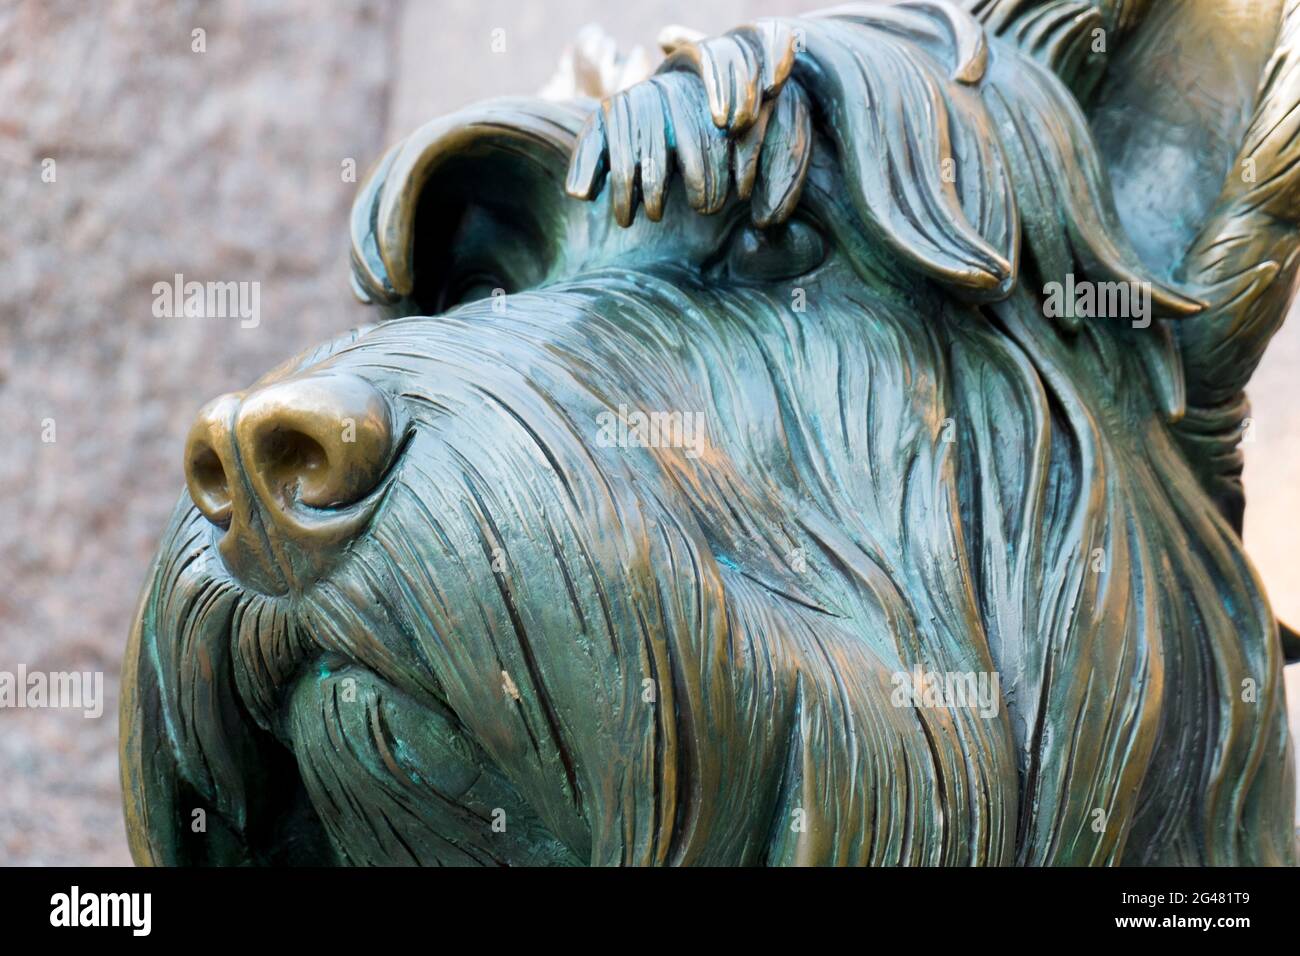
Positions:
{"x": 947, "y": 138}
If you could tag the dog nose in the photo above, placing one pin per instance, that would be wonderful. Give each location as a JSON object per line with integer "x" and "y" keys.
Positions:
{"x": 279, "y": 467}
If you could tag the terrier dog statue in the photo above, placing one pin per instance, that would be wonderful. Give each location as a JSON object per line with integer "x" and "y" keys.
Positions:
{"x": 822, "y": 451}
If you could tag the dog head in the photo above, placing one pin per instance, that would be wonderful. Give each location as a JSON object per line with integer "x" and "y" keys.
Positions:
{"x": 619, "y": 538}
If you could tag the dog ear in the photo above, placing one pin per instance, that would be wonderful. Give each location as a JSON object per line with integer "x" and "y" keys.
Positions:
{"x": 1194, "y": 109}
{"x": 467, "y": 203}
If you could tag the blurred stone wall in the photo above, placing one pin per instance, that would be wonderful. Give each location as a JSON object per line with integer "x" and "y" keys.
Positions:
{"x": 221, "y": 165}
{"x": 226, "y": 164}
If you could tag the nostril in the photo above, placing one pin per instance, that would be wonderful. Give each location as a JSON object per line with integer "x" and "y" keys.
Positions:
{"x": 323, "y": 440}
{"x": 296, "y": 466}
{"x": 208, "y": 455}
{"x": 209, "y": 487}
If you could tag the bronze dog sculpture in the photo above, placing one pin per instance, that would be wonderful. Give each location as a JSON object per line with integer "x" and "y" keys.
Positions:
{"x": 853, "y": 480}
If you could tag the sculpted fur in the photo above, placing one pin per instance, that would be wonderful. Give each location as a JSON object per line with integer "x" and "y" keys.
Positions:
{"x": 699, "y": 421}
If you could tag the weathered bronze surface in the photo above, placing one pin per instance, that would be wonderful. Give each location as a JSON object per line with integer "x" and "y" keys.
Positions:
{"x": 813, "y": 494}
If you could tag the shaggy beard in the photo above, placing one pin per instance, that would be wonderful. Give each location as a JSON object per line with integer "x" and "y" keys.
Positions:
{"x": 337, "y": 678}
